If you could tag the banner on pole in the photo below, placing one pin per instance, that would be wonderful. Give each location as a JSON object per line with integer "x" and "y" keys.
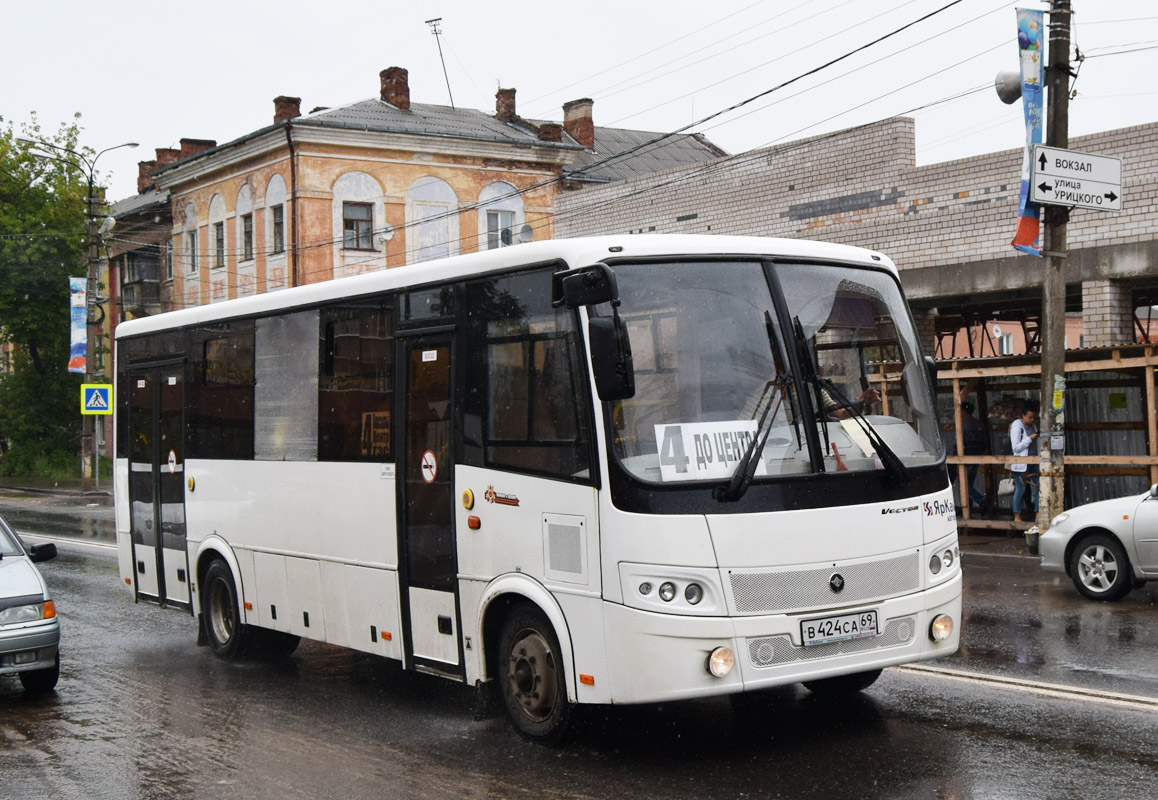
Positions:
{"x": 78, "y": 324}
{"x": 1030, "y": 42}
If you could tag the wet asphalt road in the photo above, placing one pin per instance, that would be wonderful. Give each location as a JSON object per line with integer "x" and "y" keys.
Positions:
{"x": 141, "y": 712}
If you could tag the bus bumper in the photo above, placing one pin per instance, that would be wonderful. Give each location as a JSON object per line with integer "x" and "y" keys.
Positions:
{"x": 657, "y": 657}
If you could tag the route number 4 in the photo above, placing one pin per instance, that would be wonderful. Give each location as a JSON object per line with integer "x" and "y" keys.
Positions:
{"x": 671, "y": 452}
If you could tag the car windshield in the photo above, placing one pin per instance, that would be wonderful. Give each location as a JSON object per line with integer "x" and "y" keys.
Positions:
{"x": 8, "y": 543}
{"x": 711, "y": 372}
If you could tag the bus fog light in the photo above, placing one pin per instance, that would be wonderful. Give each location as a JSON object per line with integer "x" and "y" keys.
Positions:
{"x": 645, "y": 587}
{"x": 935, "y": 564}
{"x": 667, "y": 591}
{"x": 942, "y": 628}
{"x": 947, "y": 557}
{"x": 694, "y": 593}
{"x": 721, "y": 661}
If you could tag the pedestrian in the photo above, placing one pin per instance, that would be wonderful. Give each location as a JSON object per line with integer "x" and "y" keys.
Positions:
{"x": 976, "y": 440}
{"x": 1023, "y": 439}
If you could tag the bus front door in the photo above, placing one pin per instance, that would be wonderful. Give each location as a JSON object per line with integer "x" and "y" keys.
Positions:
{"x": 157, "y": 485}
{"x": 429, "y": 560}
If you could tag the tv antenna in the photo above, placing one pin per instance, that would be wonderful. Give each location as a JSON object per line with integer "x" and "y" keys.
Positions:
{"x": 433, "y": 23}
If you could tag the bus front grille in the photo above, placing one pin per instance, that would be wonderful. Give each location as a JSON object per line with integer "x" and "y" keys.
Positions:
{"x": 774, "y": 651}
{"x": 810, "y": 589}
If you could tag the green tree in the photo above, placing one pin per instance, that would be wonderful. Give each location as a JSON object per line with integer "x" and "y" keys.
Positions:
{"x": 42, "y": 243}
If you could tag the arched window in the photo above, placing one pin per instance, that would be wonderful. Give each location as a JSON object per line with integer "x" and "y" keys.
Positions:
{"x": 217, "y": 232}
{"x": 500, "y": 217}
{"x": 359, "y": 221}
{"x": 244, "y": 246}
{"x": 431, "y": 220}
{"x": 276, "y": 227}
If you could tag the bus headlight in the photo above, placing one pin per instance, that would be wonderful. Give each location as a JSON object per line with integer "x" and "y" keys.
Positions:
{"x": 694, "y": 593}
{"x": 667, "y": 591}
{"x": 935, "y": 564}
{"x": 947, "y": 557}
{"x": 942, "y": 628}
{"x": 721, "y": 661}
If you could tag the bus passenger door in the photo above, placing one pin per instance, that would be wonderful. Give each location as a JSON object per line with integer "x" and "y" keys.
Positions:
{"x": 157, "y": 485}
{"x": 429, "y": 568}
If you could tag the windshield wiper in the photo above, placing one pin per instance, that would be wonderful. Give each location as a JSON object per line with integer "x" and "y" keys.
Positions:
{"x": 889, "y": 459}
{"x": 741, "y": 479}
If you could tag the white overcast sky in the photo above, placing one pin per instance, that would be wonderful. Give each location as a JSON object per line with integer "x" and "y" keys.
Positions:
{"x": 156, "y": 72}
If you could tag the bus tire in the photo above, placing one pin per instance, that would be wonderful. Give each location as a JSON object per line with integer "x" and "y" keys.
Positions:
{"x": 228, "y": 637}
{"x": 843, "y": 684}
{"x": 276, "y": 645}
{"x": 531, "y": 676}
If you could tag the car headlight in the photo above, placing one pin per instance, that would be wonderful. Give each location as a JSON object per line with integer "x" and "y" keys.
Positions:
{"x": 28, "y": 613}
{"x": 1059, "y": 519}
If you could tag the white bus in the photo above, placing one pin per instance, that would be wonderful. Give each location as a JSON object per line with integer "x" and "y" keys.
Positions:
{"x": 611, "y": 470}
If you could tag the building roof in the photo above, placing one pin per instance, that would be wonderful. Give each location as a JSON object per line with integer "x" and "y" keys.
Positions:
{"x": 423, "y": 119}
{"x": 154, "y": 198}
{"x": 670, "y": 152}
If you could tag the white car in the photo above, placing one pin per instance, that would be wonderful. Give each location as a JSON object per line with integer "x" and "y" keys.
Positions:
{"x": 1107, "y": 548}
{"x": 29, "y": 628}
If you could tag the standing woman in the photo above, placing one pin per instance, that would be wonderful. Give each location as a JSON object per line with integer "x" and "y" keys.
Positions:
{"x": 1023, "y": 438}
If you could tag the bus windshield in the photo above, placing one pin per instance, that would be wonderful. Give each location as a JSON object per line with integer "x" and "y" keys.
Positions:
{"x": 712, "y": 372}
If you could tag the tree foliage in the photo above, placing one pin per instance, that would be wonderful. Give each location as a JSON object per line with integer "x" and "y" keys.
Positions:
{"x": 42, "y": 243}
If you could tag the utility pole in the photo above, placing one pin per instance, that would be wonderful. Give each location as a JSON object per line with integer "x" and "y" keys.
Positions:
{"x": 1053, "y": 293}
{"x": 88, "y": 442}
{"x": 434, "y": 23}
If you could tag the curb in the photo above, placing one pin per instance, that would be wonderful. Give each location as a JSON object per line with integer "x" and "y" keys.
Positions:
{"x": 1000, "y": 560}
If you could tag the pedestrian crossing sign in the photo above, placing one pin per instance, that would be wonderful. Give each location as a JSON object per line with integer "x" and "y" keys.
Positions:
{"x": 96, "y": 398}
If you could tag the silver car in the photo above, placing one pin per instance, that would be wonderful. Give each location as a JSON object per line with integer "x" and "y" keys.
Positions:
{"x": 1107, "y": 548}
{"x": 29, "y": 628}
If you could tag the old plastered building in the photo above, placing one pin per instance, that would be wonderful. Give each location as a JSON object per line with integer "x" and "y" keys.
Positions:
{"x": 947, "y": 226}
{"x": 380, "y": 183}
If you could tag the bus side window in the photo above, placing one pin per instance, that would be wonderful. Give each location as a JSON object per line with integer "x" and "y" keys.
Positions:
{"x": 526, "y": 399}
{"x": 356, "y": 382}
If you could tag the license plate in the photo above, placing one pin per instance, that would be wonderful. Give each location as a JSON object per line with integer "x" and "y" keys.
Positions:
{"x": 839, "y": 629}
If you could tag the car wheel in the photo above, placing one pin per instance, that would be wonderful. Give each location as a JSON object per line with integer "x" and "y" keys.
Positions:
{"x": 1100, "y": 569}
{"x": 531, "y": 676}
{"x": 39, "y": 681}
{"x": 843, "y": 684}
{"x": 228, "y": 637}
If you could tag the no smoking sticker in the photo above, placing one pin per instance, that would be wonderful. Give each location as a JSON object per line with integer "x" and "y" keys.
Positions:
{"x": 429, "y": 466}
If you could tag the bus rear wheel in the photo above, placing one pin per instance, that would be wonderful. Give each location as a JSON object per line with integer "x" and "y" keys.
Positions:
{"x": 531, "y": 676}
{"x": 843, "y": 684}
{"x": 228, "y": 636}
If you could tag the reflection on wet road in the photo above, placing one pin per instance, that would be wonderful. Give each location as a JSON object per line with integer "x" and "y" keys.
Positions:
{"x": 142, "y": 712}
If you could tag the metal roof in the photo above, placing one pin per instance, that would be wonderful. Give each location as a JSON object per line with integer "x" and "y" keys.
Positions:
{"x": 137, "y": 203}
{"x": 427, "y": 120}
{"x": 671, "y": 152}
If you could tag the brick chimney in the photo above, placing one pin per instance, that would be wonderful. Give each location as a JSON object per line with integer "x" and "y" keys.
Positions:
{"x": 551, "y": 132}
{"x": 395, "y": 87}
{"x": 144, "y": 180}
{"x": 505, "y": 105}
{"x": 191, "y": 147}
{"x": 166, "y": 156}
{"x": 578, "y": 123}
{"x": 286, "y": 108}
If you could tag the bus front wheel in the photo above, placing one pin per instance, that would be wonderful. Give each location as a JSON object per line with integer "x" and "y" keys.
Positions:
{"x": 220, "y": 614}
{"x": 531, "y": 676}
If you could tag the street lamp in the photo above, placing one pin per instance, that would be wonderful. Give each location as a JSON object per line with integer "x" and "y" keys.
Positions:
{"x": 87, "y": 167}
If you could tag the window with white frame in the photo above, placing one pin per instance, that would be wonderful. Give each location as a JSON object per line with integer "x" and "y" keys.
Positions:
{"x": 167, "y": 256}
{"x": 191, "y": 250}
{"x": 1005, "y": 344}
{"x": 501, "y": 220}
{"x": 500, "y": 229}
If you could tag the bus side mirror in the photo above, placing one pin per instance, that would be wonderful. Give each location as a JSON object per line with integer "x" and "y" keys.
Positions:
{"x": 611, "y": 358}
{"x": 586, "y": 287}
